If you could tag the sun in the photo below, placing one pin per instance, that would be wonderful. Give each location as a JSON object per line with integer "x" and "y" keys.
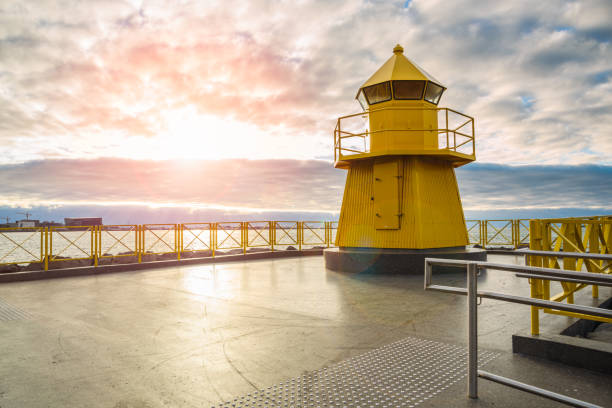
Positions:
{"x": 186, "y": 133}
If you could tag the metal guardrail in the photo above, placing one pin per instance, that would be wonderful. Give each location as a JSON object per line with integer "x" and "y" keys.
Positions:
{"x": 512, "y": 233}
{"x": 51, "y": 244}
{"x": 454, "y": 134}
{"x": 472, "y": 292}
{"x": 29, "y": 245}
{"x": 92, "y": 244}
{"x": 572, "y": 244}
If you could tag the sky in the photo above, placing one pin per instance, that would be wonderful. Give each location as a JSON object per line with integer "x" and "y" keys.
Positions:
{"x": 181, "y": 110}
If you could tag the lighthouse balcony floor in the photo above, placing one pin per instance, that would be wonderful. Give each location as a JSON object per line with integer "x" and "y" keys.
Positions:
{"x": 276, "y": 333}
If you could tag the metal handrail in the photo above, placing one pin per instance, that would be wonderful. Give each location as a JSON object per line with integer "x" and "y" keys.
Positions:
{"x": 340, "y": 134}
{"x": 472, "y": 292}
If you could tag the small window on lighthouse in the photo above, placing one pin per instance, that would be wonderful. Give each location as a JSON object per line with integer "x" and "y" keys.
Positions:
{"x": 408, "y": 89}
{"x": 362, "y": 100}
{"x": 378, "y": 93}
{"x": 433, "y": 93}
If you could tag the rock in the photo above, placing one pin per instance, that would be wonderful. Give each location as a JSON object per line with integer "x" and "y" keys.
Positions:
{"x": 34, "y": 266}
{"x": 196, "y": 254}
{"x": 70, "y": 263}
{"x": 166, "y": 257}
{"x": 149, "y": 257}
{"x": 9, "y": 268}
{"x": 290, "y": 248}
{"x": 258, "y": 249}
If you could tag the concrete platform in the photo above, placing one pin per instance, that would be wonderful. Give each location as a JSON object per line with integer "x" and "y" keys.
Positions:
{"x": 198, "y": 335}
{"x": 395, "y": 261}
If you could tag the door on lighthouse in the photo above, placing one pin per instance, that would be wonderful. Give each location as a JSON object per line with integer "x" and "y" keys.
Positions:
{"x": 386, "y": 194}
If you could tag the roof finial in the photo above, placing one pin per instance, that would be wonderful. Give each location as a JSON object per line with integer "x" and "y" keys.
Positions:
{"x": 398, "y": 49}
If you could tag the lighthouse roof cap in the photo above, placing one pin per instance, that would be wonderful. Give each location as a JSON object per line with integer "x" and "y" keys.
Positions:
{"x": 399, "y": 67}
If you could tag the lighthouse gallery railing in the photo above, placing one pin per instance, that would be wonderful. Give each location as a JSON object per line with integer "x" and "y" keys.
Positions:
{"x": 455, "y": 132}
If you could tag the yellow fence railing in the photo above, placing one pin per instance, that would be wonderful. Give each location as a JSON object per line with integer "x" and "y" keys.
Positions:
{"x": 103, "y": 244}
{"x": 512, "y": 233}
{"x": 455, "y": 133}
{"x": 197, "y": 237}
{"x": 107, "y": 243}
{"x": 75, "y": 243}
{"x": 22, "y": 245}
{"x": 588, "y": 235}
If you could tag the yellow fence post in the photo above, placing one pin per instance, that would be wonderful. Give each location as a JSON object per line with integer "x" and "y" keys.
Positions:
{"x": 138, "y": 243}
{"x": 481, "y": 233}
{"x": 274, "y": 232}
{"x": 271, "y": 234}
{"x": 92, "y": 243}
{"x": 594, "y": 249}
{"x": 485, "y": 236}
{"x": 244, "y": 238}
{"x": 97, "y": 244}
{"x": 570, "y": 263}
{"x": 535, "y": 243}
{"x": 213, "y": 238}
{"x": 42, "y": 247}
{"x": 177, "y": 240}
{"x": 46, "y": 265}
{"x": 300, "y": 234}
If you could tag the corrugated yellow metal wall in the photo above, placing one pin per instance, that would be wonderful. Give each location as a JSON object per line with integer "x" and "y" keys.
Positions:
{"x": 432, "y": 215}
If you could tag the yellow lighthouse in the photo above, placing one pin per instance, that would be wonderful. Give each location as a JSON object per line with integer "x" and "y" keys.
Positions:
{"x": 401, "y": 201}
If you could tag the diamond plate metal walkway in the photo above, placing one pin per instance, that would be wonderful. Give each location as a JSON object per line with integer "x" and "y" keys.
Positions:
{"x": 402, "y": 374}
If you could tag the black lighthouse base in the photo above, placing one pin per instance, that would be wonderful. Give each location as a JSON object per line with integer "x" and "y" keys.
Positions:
{"x": 395, "y": 261}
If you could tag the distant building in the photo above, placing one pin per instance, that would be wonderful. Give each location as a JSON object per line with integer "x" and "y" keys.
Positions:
{"x": 27, "y": 223}
{"x": 82, "y": 222}
{"x": 51, "y": 224}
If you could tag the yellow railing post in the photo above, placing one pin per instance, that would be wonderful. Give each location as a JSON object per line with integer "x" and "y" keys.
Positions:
{"x": 92, "y": 243}
{"x": 46, "y": 265}
{"x": 300, "y": 234}
{"x": 570, "y": 263}
{"x": 594, "y": 249}
{"x": 245, "y": 239}
{"x": 485, "y": 236}
{"x": 139, "y": 244}
{"x": 535, "y": 243}
{"x": 177, "y": 240}
{"x": 545, "y": 246}
{"x": 271, "y": 234}
{"x": 274, "y": 232}
{"x": 97, "y": 245}
{"x": 42, "y": 247}
{"x": 213, "y": 238}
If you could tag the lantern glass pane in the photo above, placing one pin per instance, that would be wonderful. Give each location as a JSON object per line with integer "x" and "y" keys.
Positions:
{"x": 378, "y": 93}
{"x": 408, "y": 89}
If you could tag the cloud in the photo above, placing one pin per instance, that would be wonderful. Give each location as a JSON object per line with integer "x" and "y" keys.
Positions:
{"x": 264, "y": 79}
{"x": 264, "y": 184}
{"x": 121, "y": 188}
{"x": 498, "y": 187}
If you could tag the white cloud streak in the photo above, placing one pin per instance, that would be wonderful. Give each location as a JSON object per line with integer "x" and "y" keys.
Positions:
{"x": 102, "y": 78}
